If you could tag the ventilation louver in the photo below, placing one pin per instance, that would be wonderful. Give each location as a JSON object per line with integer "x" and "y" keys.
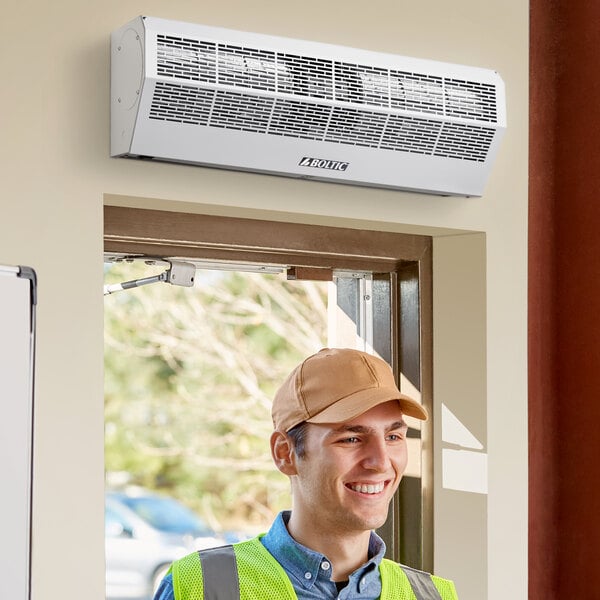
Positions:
{"x": 221, "y": 98}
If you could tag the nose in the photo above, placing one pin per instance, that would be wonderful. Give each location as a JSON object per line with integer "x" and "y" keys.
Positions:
{"x": 377, "y": 456}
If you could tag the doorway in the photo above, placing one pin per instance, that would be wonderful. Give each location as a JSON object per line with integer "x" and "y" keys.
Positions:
{"x": 385, "y": 297}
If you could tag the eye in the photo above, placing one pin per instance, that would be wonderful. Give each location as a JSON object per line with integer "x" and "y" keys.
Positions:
{"x": 395, "y": 437}
{"x": 350, "y": 440}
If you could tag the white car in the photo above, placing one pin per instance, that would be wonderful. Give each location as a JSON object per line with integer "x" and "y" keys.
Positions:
{"x": 144, "y": 533}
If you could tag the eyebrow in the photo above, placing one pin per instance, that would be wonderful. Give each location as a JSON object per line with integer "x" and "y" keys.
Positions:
{"x": 364, "y": 429}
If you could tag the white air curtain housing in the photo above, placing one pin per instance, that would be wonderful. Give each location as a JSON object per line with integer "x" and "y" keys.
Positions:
{"x": 207, "y": 96}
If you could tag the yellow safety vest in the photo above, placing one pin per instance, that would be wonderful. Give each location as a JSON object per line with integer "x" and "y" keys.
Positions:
{"x": 247, "y": 571}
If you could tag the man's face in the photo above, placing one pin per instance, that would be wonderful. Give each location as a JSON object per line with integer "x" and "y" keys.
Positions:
{"x": 350, "y": 470}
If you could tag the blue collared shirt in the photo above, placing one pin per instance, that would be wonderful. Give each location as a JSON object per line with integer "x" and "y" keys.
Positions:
{"x": 309, "y": 571}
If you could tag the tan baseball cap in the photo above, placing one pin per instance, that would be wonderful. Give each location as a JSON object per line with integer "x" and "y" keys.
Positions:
{"x": 336, "y": 385}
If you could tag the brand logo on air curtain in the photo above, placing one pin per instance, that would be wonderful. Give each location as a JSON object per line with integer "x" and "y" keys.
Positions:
{"x": 323, "y": 163}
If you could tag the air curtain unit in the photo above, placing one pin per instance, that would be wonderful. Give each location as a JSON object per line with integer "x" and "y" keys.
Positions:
{"x": 220, "y": 98}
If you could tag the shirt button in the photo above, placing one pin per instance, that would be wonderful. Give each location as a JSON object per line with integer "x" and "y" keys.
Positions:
{"x": 307, "y": 575}
{"x": 325, "y": 565}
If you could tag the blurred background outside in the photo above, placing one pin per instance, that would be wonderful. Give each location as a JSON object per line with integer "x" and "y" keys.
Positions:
{"x": 189, "y": 378}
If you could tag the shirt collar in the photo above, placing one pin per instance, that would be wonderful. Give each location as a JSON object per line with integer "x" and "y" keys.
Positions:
{"x": 304, "y": 564}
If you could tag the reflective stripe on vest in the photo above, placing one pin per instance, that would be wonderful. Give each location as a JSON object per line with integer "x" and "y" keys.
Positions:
{"x": 219, "y": 569}
{"x": 422, "y": 585}
{"x": 220, "y": 574}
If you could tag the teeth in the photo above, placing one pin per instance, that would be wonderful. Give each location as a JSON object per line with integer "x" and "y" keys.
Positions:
{"x": 365, "y": 488}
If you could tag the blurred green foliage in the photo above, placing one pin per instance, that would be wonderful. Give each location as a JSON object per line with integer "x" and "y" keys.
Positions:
{"x": 189, "y": 378}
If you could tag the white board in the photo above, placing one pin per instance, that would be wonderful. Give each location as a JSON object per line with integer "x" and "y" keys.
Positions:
{"x": 17, "y": 350}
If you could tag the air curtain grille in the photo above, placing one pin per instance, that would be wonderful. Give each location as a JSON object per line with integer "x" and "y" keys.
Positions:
{"x": 186, "y": 59}
{"x": 232, "y": 70}
{"x": 248, "y": 112}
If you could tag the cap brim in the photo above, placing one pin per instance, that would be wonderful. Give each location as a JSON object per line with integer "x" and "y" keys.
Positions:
{"x": 358, "y": 403}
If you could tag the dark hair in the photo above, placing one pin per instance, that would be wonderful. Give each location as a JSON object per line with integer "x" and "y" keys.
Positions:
{"x": 298, "y": 436}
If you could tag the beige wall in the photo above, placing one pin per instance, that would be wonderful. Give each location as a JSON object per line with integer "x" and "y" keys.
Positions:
{"x": 56, "y": 172}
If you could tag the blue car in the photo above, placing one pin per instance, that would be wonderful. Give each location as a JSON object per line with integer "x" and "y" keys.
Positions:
{"x": 144, "y": 533}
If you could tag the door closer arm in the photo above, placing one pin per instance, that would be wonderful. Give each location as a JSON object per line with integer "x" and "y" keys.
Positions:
{"x": 178, "y": 273}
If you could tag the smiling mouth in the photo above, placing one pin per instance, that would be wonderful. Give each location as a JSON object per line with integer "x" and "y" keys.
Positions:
{"x": 367, "y": 488}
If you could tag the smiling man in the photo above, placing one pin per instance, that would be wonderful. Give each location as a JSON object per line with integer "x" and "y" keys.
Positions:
{"x": 340, "y": 436}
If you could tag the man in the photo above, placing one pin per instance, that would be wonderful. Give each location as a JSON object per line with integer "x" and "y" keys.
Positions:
{"x": 340, "y": 437}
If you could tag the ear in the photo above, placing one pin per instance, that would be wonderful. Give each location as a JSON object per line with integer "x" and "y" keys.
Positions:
{"x": 283, "y": 454}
